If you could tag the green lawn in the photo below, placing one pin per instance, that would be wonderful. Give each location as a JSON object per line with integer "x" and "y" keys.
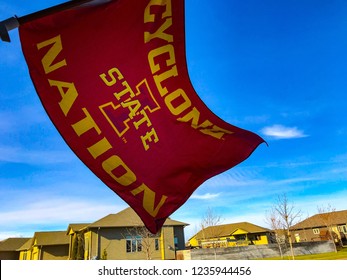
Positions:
{"x": 341, "y": 254}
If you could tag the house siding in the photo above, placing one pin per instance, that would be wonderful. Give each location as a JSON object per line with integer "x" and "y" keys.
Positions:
{"x": 232, "y": 240}
{"x": 25, "y": 255}
{"x": 317, "y": 227}
{"x": 317, "y": 234}
{"x": 55, "y": 252}
{"x": 230, "y": 235}
{"x": 113, "y": 241}
{"x": 9, "y": 255}
{"x": 108, "y": 238}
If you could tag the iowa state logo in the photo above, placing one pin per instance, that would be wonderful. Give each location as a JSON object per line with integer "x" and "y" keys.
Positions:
{"x": 133, "y": 108}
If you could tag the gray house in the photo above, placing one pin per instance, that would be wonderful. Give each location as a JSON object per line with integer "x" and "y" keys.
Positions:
{"x": 122, "y": 236}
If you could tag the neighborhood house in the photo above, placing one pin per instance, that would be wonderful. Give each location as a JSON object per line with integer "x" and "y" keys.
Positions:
{"x": 123, "y": 236}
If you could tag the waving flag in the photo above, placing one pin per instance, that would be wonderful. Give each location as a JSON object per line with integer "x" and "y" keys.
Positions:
{"x": 113, "y": 79}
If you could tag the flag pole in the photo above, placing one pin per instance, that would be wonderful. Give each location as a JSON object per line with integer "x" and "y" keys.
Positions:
{"x": 14, "y": 22}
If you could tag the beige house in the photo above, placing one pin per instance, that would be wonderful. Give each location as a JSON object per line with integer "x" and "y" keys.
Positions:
{"x": 122, "y": 236}
{"x": 48, "y": 245}
{"x": 322, "y": 227}
{"x": 9, "y": 248}
{"x": 229, "y": 235}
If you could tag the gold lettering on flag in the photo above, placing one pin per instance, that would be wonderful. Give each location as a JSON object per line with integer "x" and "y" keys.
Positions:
{"x": 177, "y": 101}
{"x": 114, "y": 166}
{"x": 120, "y": 95}
{"x": 132, "y": 107}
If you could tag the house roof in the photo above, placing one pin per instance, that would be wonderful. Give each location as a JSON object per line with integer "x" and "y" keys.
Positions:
{"x": 26, "y": 245}
{"x": 12, "y": 244}
{"x": 45, "y": 238}
{"x": 320, "y": 220}
{"x": 76, "y": 227}
{"x": 228, "y": 229}
{"x": 127, "y": 218}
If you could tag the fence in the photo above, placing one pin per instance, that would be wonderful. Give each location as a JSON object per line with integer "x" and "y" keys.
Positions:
{"x": 255, "y": 251}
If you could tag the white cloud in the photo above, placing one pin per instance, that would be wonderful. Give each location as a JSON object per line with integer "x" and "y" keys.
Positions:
{"x": 206, "y": 196}
{"x": 57, "y": 213}
{"x": 282, "y": 132}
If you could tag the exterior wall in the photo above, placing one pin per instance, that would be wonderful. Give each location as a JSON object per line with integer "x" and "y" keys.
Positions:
{"x": 35, "y": 253}
{"x": 87, "y": 245}
{"x": 179, "y": 234}
{"x": 94, "y": 241}
{"x": 113, "y": 242}
{"x": 259, "y": 239}
{"x": 72, "y": 238}
{"x": 25, "y": 255}
{"x": 167, "y": 243}
{"x": 256, "y": 252}
{"x": 10, "y": 255}
{"x": 231, "y": 241}
{"x": 52, "y": 252}
{"x": 55, "y": 252}
{"x": 307, "y": 235}
{"x": 194, "y": 242}
{"x": 315, "y": 234}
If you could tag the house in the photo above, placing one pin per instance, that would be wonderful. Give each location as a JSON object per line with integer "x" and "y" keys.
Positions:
{"x": 9, "y": 248}
{"x": 50, "y": 245}
{"x": 236, "y": 234}
{"x": 323, "y": 226}
{"x": 122, "y": 236}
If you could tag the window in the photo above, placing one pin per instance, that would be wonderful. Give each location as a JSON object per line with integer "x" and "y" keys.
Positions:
{"x": 176, "y": 242}
{"x": 316, "y": 231}
{"x": 133, "y": 244}
{"x": 156, "y": 244}
{"x": 256, "y": 237}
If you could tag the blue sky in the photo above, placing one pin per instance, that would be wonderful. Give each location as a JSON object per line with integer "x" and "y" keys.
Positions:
{"x": 277, "y": 68}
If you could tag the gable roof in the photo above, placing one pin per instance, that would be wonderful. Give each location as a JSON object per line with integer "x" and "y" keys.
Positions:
{"x": 46, "y": 238}
{"x": 228, "y": 229}
{"x": 12, "y": 244}
{"x": 72, "y": 228}
{"x": 318, "y": 220}
{"x": 26, "y": 246}
{"x": 127, "y": 218}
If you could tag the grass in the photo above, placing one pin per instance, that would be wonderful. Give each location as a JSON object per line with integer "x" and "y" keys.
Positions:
{"x": 340, "y": 255}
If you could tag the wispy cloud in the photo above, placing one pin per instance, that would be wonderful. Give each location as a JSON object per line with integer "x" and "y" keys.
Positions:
{"x": 278, "y": 131}
{"x": 56, "y": 212}
{"x": 20, "y": 155}
{"x": 206, "y": 196}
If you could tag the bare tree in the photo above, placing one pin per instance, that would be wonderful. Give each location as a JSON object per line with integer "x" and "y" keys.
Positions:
{"x": 273, "y": 220}
{"x": 143, "y": 239}
{"x": 326, "y": 216}
{"x": 288, "y": 216}
{"x": 210, "y": 230}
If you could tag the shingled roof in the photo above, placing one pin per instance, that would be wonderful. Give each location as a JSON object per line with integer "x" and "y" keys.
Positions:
{"x": 26, "y": 246}
{"x": 12, "y": 244}
{"x": 228, "y": 229}
{"x": 51, "y": 238}
{"x": 72, "y": 228}
{"x": 127, "y": 218}
{"x": 334, "y": 218}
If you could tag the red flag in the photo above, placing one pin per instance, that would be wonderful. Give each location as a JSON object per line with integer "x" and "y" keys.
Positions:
{"x": 113, "y": 79}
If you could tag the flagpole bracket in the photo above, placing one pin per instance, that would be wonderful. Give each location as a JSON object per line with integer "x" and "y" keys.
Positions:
{"x": 7, "y": 25}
